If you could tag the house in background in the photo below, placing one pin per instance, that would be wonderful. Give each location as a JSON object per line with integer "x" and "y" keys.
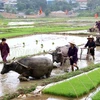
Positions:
{"x": 82, "y": 4}
{"x": 11, "y": 3}
{"x": 50, "y": 1}
{"x": 1, "y": 6}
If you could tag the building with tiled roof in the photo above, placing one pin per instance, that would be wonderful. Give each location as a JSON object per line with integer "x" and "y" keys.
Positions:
{"x": 1, "y": 6}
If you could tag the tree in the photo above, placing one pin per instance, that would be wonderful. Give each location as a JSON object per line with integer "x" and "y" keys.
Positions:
{"x": 60, "y": 5}
{"x": 8, "y": 8}
{"x": 34, "y": 5}
{"x": 28, "y": 11}
{"x": 47, "y": 12}
{"x": 92, "y": 4}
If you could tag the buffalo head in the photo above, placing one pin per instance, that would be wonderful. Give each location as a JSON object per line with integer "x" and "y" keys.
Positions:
{"x": 60, "y": 54}
{"x": 6, "y": 68}
{"x": 56, "y": 56}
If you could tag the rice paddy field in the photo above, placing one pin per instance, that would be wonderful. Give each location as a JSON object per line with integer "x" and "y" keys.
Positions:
{"x": 44, "y": 25}
{"x": 14, "y": 32}
{"x": 76, "y": 87}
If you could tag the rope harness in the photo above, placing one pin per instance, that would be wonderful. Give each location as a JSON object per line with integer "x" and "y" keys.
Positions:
{"x": 23, "y": 65}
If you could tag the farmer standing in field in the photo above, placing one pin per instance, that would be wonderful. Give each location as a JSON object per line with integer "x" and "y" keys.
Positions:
{"x": 72, "y": 54}
{"x": 4, "y": 48}
{"x": 91, "y": 46}
{"x": 98, "y": 25}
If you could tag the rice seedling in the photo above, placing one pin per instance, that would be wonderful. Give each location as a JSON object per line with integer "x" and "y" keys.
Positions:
{"x": 76, "y": 87}
{"x": 23, "y": 44}
{"x": 96, "y": 97}
{"x": 36, "y": 41}
{"x": 44, "y": 51}
{"x": 41, "y": 45}
{"x": 53, "y": 43}
{"x": 15, "y": 32}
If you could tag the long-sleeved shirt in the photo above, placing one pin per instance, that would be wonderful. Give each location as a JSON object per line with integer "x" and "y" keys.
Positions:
{"x": 90, "y": 44}
{"x": 73, "y": 52}
{"x": 4, "y": 48}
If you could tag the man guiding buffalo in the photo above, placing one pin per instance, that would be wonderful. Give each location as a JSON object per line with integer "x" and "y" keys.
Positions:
{"x": 91, "y": 46}
{"x": 4, "y": 48}
{"x": 72, "y": 54}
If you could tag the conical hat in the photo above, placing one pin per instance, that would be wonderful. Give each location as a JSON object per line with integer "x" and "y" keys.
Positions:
{"x": 90, "y": 37}
{"x": 72, "y": 42}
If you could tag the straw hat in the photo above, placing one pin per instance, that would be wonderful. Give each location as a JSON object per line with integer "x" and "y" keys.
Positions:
{"x": 90, "y": 37}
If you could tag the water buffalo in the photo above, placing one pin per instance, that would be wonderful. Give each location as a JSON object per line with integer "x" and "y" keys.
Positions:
{"x": 60, "y": 54}
{"x": 34, "y": 67}
{"x": 93, "y": 29}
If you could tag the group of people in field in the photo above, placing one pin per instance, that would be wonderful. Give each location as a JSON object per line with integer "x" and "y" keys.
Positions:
{"x": 72, "y": 52}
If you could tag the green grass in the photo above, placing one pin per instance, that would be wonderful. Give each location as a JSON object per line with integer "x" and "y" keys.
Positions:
{"x": 3, "y": 22}
{"x": 15, "y": 32}
{"x": 96, "y": 97}
{"x": 76, "y": 87}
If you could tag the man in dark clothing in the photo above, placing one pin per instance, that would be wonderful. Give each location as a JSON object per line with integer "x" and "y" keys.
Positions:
{"x": 4, "y": 48}
{"x": 98, "y": 25}
{"x": 91, "y": 46}
{"x": 72, "y": 54}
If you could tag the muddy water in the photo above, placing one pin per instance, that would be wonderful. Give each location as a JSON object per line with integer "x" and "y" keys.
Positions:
{"x": 20, "y": 23}
{"x": 45, "y": 97}
{"x": 10, "y": 83}
{"x": 28, "y": 45}
{"x": 76, "y": 32}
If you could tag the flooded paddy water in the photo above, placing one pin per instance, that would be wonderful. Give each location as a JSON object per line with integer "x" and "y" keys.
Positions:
{"x": 35, "y": 44}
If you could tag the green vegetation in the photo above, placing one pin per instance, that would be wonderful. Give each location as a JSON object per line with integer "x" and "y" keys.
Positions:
{"x": 15, "y": 32}
{"x": 1, "y": 16}
{"x": 55, "y": 5}
{"x": 76, "y": 87}
{"x": 49, "y": 25}
{"x": 32, "y": 5}
{"x": 86, "y": 13}
{"x": 45, "y": 25}
{"x": 97, "y": 96}
{"x": 3, "y": 22}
